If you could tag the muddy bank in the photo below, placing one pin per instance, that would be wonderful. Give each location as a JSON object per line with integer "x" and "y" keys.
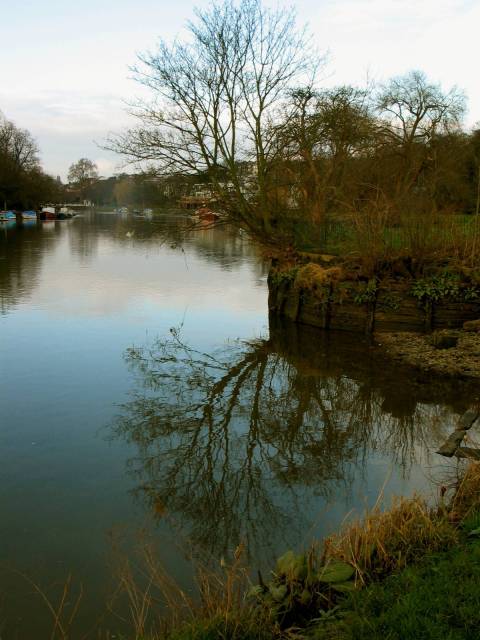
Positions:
{"x": 420, "y": 351}
{"x": 415, "y": 321}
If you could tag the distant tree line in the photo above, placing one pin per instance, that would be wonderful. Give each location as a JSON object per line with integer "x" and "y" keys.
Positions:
{"x": 141, "y": 189}
{"x": 23, "y": 183}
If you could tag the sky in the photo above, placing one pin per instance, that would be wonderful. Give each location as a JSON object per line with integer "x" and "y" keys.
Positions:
{"x": 64, "y": 65}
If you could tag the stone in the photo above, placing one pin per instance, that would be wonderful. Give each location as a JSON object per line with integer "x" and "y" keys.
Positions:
{"x": 452, "y": 443}
{"x": 467, "y": 420}
{"x": 471, "y": 325}
{"x": 443, "y": 340}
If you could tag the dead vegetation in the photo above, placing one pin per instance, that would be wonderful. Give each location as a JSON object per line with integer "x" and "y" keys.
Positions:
{"x": 387, "y": 541}
{"x": 313, "y": 277}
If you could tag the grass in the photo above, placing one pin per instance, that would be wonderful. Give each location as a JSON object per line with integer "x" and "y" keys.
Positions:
{"x": 387, "y": 541}
{"x": 239, "y": 627}
{"x": 425, "y": 238}
{"x": 437, "y": 599}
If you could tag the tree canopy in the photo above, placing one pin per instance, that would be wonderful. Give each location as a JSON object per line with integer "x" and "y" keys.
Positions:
{"x": 82, "y": 174}
{"x": 22, "y": 180}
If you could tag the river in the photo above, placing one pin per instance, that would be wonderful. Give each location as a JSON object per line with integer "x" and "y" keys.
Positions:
{"x": 144, "y": 394}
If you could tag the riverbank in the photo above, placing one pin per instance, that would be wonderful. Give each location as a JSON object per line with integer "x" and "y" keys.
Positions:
{"x": 435, "y": 599}
{"x": 335, "y": 294}
{"x": 405, "y": 573}
{"x": 451, "y": 353}
{"x": 427, "y": 321}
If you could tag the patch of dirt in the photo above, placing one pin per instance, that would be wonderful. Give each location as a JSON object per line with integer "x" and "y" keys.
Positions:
{"x": 418, "y": 350}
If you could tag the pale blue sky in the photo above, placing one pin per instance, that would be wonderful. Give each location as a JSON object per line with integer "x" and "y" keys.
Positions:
{"x": 64, "y": 65}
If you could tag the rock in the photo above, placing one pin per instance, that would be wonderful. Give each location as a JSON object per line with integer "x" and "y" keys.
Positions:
{"x": 443, "y": 340}
{"x": 467, "y": 420}
{"x": 468, "y": 452}
{"x": 471, "y": 325}
{"x": 452, "y": 443}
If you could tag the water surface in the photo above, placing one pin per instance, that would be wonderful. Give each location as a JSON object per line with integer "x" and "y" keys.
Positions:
{"x": 143, "y": 389}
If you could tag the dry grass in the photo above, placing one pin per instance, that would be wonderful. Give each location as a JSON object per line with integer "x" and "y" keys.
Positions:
{"x": 372, "y": 235}
{"x": 313, "y": 277}
{"x": 377, "y": 545}
{"x": 369, "y": 222}
{"x": 466, "y": 499}
{"x": 386, "y": 541}
{"x": 159, "y": 608}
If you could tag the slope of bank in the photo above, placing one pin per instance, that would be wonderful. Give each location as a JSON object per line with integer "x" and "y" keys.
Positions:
{"x": 437, "y": 599}
{"x": 336, "y": 295}
{"x": 407, "y": 573}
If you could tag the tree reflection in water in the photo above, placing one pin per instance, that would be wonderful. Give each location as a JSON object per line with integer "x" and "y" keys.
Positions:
{"x": 235, "y": 443}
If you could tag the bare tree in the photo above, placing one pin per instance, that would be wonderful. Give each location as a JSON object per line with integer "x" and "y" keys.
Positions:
{"x": 17, "y": 146}
{"x": 83, "y": 174}
{"x": 22, "y": 181}
{"x": 321, "y": 132}
{"x": 417, "y": 109}
{"x": 413, "y": 112}
{"x": 214, "y": 97}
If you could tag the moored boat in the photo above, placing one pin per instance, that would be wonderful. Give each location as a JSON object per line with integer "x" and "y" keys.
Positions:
{"x": 65, "y": 214}
{"x": 48, "y": 213}
{"x": 7, "y": 216}
{"x": 29, "y": 215}
{"x": 205, "y": 213}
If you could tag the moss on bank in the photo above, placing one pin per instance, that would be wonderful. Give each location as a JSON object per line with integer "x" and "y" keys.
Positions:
{"x": 397, "y": 295}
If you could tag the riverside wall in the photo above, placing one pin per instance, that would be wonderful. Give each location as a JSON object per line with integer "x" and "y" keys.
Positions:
{"x": 352, "y": 306}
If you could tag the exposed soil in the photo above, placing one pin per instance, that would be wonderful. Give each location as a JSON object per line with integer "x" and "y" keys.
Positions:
{"x": 418, "y": 350}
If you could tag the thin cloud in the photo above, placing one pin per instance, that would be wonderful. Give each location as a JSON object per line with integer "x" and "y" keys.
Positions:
{"x": 69, "y": 89}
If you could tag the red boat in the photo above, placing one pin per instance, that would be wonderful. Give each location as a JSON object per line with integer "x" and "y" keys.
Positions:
{"x": 204, "y": 213}
{"x": 48, "y": 213}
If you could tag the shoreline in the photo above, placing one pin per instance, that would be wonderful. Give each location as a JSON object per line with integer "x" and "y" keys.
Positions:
{"x": 388, "y": 574}
{"x": 418, "y": 350}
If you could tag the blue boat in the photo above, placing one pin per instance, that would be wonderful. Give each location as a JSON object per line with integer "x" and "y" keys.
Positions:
{"x": 29, "y": 215}
{"x": 6, "y": 216}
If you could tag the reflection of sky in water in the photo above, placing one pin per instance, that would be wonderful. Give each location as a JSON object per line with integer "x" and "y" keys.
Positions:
{"x": 75, "y": 295}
